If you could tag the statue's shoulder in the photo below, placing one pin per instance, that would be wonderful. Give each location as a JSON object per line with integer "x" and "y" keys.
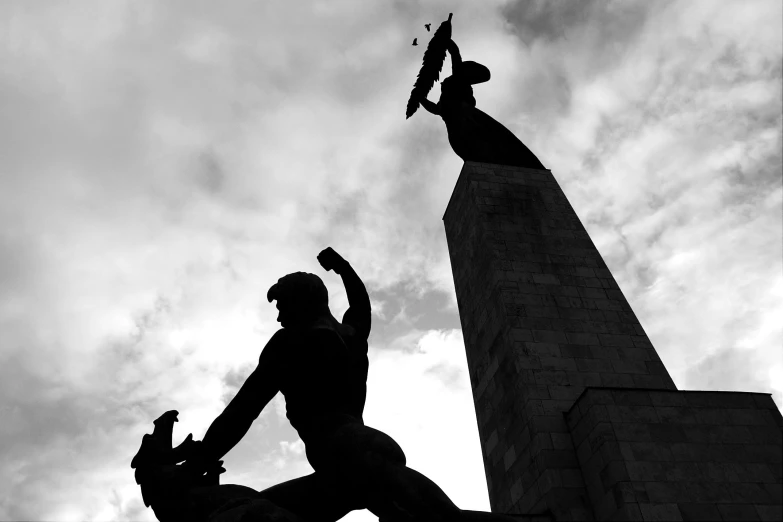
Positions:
{"x": 346, "y": 330}
{"x": 280, "y": 344}
{"x": 351, "y": 331}
{"x": 282, "y": 336}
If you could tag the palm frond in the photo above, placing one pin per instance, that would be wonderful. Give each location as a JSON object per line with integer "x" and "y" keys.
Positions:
{"x": 431, "y": 66}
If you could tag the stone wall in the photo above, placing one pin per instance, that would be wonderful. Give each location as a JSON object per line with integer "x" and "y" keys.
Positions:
{"x": 577, "y": 415}
{"x": 680, "y": 455}
{"x": 542, "y": 318}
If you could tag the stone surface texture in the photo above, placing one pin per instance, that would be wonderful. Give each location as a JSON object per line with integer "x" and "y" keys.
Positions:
{"x": 679, "y": 455}
{"x": 543, "y": 320}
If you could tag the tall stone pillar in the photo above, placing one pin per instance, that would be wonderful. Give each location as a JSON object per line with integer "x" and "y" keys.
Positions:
{"x": 542, "y": 318}
{"x": 578, "y": 417}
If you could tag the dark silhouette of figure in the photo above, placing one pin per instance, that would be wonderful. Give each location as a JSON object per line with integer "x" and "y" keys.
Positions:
{"x": 180, "y": 492}
{"x": 320, "y": 366}
{"x": 474, "y": 135}
{"x": 414, "y": 41}
{"x": 428, "y": 27}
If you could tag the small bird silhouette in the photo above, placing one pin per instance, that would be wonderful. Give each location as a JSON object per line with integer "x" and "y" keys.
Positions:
{"x": 428, "y": 27}
{"x": 414, "y": 41}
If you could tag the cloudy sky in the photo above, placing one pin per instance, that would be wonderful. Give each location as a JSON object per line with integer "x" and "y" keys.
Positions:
{"x": 162, "y": 163}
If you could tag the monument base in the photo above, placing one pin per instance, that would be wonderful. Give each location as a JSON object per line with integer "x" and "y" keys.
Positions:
{"x": 576, "y": 412}
{"x": 679, "y": 455}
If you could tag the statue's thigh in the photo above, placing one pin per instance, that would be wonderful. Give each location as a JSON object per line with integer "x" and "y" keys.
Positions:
{"x": 366, "y": 447}
{"x": 312, "y": 497}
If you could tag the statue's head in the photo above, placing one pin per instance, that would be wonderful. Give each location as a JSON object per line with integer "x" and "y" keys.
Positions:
{"x": 457, "y": 87}
{"x": 301, "y": 299}
{"x": 471, "y": 73}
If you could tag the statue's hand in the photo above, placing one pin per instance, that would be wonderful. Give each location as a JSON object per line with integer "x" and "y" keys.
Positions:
{"x": 188, "y": 449}
{"x": 421, "y": 97}
{"x": 196, "y": 462}
{"x": 331, "y": 260}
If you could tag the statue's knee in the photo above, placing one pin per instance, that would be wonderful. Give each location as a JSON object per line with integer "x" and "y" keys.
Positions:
{"x": 375, "y": 461}
{"x": 390, "y": 450}
{"x": 373, "y": 453}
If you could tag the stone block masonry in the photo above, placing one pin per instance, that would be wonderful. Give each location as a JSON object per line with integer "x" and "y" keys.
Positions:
{"x": 543, "y": 320}
{"x": 679, "y": 455}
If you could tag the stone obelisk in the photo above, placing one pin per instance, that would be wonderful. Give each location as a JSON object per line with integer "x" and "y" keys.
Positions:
{"x": 577, "y": 415}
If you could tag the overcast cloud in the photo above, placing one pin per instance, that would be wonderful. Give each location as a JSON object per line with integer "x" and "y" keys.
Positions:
{"x": 163, "y": 163}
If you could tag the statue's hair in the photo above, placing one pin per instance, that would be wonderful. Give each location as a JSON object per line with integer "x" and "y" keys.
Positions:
{"x": 306, "y": 290}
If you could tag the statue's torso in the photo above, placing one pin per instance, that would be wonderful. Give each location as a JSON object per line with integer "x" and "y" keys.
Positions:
{"x": 323, "y": 378}
{"x": 476, "y": 136}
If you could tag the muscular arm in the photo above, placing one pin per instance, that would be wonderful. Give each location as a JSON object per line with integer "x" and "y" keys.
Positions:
{"x": 359, "y": 313}
{"x": 231, "y": 425}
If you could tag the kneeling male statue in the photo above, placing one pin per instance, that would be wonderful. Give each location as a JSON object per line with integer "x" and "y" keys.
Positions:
{"x": 320, "y": 365}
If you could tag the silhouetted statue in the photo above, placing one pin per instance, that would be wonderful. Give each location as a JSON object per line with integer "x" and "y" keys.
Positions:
{"x": 473, "y": 135}
{"x": 179, "y": 492}
{"x": 320, "y": 366}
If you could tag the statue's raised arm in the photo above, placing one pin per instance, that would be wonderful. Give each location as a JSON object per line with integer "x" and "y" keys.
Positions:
{"x": 456, "y": 58}
{"x": 320, "y": 366}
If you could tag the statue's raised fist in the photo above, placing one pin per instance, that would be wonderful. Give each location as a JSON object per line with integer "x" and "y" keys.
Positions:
{"x": 331, "y": 260}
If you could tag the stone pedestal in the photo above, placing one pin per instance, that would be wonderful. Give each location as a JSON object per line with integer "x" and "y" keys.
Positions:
{"x": 679, "y": 455}
{"x": 543, "y": 320}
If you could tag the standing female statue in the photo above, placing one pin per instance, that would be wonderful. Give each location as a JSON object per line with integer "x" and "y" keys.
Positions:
{"x": 473, "y": 134}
